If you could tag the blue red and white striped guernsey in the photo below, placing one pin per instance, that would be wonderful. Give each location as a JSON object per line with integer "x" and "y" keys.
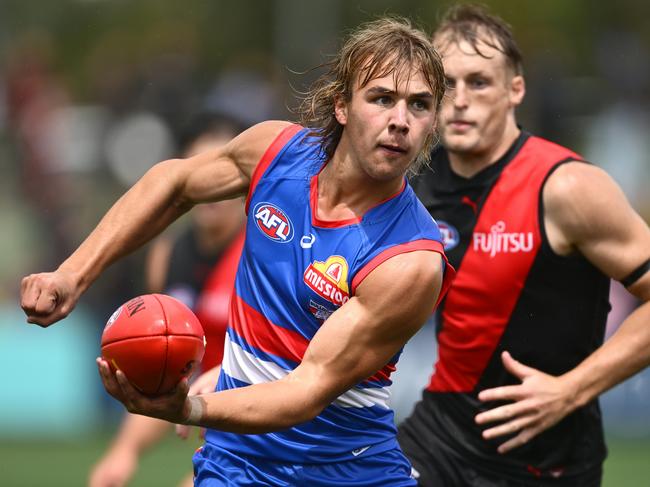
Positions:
{"x": 295, "y": 271}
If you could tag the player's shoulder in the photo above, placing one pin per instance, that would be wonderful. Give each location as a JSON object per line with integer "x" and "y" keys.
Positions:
{"x": 264, "y": 133}
{"x": 248, "y": 148}
{"x": 578, "y": 196}
{"x": 577, "y": 181}
{"x": 401, "y": 270}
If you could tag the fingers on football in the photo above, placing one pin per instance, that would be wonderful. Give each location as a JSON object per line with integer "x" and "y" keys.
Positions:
{"x": 108, "y": 379}
{"x": 182, "y": 389}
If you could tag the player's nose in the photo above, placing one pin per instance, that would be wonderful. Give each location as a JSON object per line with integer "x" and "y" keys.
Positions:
{"x": 459, "y": 96}
{"x": 399, "y": 117}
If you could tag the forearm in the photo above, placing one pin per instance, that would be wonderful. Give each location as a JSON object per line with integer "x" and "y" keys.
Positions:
{"x": 139, "y": 215}
{"x": 256, "y": 409}
{"x": 623, "y": 355}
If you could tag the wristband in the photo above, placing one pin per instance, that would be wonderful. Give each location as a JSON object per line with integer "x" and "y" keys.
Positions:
{"x": 196, "y": 411}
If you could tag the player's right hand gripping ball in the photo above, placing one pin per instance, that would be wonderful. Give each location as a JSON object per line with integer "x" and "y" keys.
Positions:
{"x": 155, "y": 340}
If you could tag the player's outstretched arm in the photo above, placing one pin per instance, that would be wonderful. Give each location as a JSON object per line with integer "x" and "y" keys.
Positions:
{"x": 589, "y": 213}
{"x": 359, "y": 339}
{"x": 165, "y": 192}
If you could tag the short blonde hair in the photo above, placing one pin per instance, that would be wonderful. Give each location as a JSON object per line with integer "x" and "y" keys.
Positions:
{"x": 388, "y": 46}
{"x": 475, "y": 25}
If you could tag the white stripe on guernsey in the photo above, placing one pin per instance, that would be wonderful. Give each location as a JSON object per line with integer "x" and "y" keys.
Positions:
{"x": 245, "y": 367}
{"x": 364, "y": 398}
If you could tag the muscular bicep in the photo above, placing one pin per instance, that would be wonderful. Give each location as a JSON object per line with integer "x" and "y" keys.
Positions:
{"x": 360, "y": 338}
{"x": 593, "y": 215}
{"x": 226, "y": 172}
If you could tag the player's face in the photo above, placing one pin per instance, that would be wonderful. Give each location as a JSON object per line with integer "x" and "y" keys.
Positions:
{"x": 387, "y": 122}
{"x": 478, "y": 108}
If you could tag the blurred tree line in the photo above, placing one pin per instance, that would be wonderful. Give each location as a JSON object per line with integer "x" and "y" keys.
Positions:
{"x": 89, "y": 38}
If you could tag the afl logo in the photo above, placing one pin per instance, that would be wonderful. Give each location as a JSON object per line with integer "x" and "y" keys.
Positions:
{"x": 114, "y": 317}
{"x": 450, "y": 236}
{"x": 273, "y": 222}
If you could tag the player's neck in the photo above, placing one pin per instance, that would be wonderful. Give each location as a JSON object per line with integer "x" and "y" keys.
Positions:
{"x": 345, "y": 192}
{"x": 467, "y": 164}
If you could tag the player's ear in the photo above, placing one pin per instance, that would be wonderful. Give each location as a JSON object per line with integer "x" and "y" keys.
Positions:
{"x": 340, "y": 109}
{"x": 517, "y": 90}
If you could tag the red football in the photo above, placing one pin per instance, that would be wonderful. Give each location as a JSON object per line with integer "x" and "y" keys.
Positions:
{"x": 155, "y": 340}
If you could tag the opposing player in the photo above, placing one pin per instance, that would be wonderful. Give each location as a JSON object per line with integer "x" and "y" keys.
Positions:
{"x": 341, "y": 265}
{"x": 535, "y": 234}
{"x": 198, "y": 267}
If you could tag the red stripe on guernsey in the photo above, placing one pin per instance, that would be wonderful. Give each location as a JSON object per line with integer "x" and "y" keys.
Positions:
{"x": 260, "y": 333}
{"x": 424, "y": 244}
{"x": 383, "y": 375}
{"x": 272, "y": 151}
{"x": 494, "y": 270}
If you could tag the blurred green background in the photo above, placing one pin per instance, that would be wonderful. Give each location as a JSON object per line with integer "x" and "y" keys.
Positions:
{"x": 93, "y": 92}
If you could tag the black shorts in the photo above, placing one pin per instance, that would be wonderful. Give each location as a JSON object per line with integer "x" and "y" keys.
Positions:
{"x": 436, "y": 465}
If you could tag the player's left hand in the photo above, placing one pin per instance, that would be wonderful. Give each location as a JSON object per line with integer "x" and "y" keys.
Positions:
{"x": 539, "y": 402}
{"x": 170, "y": 407}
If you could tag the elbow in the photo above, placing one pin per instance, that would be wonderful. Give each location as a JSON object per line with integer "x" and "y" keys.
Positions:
{"x": 317, "y": 398}
{"x": 307, "y": 405}
{"x": 171, "y": 175}
{"x": 310, "y": 411}
{"x": 304, "y": 412}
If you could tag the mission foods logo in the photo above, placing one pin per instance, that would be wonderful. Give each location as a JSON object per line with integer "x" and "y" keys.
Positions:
{"x": 329, "y": 279}
{"x": 273, "y": 222}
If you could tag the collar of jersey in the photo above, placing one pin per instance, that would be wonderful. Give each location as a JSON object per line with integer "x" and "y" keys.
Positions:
{"x": 313, "y": 203}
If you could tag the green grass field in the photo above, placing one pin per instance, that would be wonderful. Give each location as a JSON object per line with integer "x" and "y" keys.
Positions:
{"x": 58, "y": 464}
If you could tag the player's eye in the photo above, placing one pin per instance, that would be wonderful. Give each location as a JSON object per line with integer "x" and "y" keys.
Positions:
{"x": 383, "y": 100}
{"x": 420, "y": 105}
{"x": 478, "y": 83}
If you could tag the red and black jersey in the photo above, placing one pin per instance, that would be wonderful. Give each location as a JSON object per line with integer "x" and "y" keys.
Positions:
{"x": 204, "y": 281}
{"x": 511, "y": 292}
{"x": 213, "y": 304}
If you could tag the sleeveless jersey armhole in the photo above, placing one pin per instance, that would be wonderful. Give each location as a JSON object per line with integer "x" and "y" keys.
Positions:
{"x": 546, "y": 245}
{"x": 276, "y": 146}
{"x": 423, "y": 244}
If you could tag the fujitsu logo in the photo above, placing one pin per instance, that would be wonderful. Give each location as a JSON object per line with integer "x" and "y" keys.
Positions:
{"x": 498, "y": 241}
